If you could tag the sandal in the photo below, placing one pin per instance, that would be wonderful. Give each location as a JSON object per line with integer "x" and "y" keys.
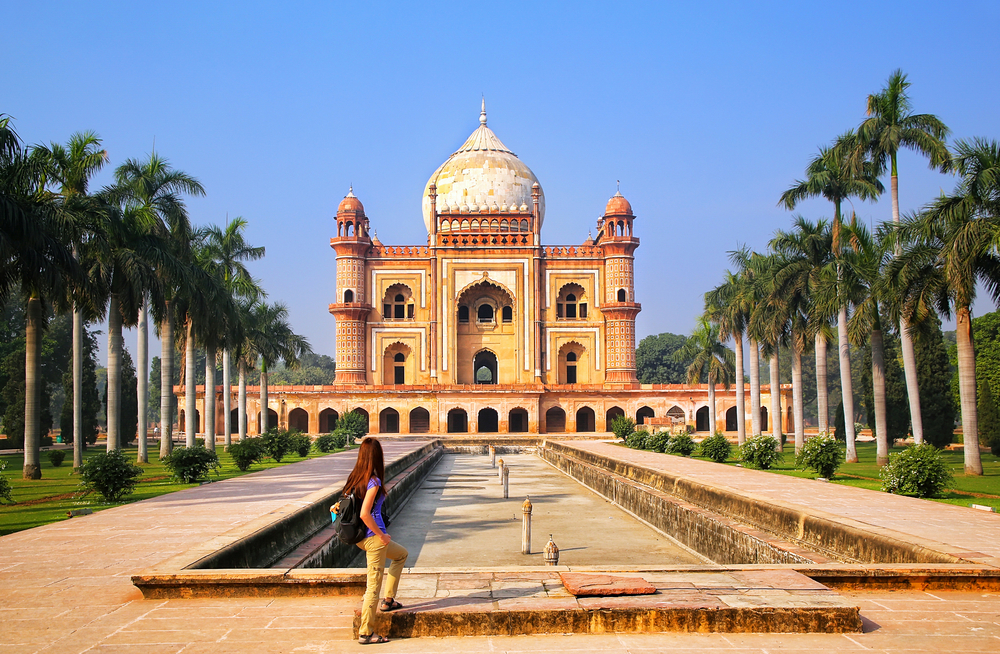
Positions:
{"x": 389, "y": 605}
{"x": 372, "y": 639}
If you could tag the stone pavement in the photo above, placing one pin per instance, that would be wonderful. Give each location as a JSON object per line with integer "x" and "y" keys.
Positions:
{"x": 973, "y": 535}
{"x": 66, "y": 587}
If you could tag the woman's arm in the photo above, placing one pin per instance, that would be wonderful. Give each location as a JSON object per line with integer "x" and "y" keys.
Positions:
{"x": 368, "y": 518}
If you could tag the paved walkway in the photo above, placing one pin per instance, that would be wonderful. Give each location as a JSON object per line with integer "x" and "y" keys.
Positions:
{"x": 66, "y": 587}
{"x": 967, "y": 532}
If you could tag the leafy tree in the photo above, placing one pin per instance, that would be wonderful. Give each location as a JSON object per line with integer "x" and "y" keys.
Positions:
{"x": 89, "y": 396}
{"x": 986, "y": 335}
{"x": 989, "y": 417}
{"x": 839, "y": 431}
{"x": 654, "y": 359}
{"x": 934, "y": 374}
{"x": 317, "y": 369}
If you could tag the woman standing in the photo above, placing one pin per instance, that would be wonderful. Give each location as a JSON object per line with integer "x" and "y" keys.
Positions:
{"x": 367, "y": 481}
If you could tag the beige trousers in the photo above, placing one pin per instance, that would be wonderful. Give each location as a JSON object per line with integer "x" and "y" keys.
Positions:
{"x": 377, "y": 554}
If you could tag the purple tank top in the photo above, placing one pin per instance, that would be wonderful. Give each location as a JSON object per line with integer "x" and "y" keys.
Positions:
{"x": 377, "y": 507}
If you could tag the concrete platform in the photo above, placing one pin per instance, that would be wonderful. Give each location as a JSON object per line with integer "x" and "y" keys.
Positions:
{"x": 66, "y": 587}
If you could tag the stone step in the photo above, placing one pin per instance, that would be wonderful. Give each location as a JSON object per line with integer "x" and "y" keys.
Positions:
{"x": 508, "y": 604}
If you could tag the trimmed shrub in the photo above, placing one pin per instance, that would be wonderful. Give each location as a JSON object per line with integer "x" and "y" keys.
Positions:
{"x": 5, "y": 487}
{"x": 341, "y": 437}
{"x": 823, "y": 454}
{"x": 354, "y": 425}
{"x": 247, "y": 452}
{"x": 111, "y": 474}
{"x": 637, "y": 440}
{"x": 191, "y": 464}
{"x": 301, "y": 443}
{"x": 681, "y": 444}
{"x": 326, "y": 442}
{"x": 760, "y": 452}
{"x": 622, "y": 426}
{"x": 56, "y": 457}
{"x": 659, "y": 441}
{"x": 276, "y": 443}
{"x": 919, "y": 470}
{"x": 716, "y": 447}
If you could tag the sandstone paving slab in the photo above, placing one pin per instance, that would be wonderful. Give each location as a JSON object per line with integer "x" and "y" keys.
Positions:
{"x": 589, "y": 585}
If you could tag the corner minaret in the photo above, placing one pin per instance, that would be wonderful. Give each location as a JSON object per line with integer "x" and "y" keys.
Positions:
{"x": 352, "y": 306}
{"x": 619, "y": 308}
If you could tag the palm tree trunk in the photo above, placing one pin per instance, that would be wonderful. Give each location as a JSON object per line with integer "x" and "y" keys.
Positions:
{"x": 846, "y": 385}
{"x": 78, "y": 438}
{"x": 167, "y": 382}
{"x": 142, "y": 374}
{"x": 227, "y": 400}
{"x": 32, "y": 386}
{"x": 210, "y": 398}
{"x": 822, "y": 392}
{"x": 114, "y": 387}
{"x": 797, "y": 403}
{"x": 263, "y": 398}
{"x": 878, "y": 392}
{"x": 190, "y": 390}
{"x": 712, "y": 428}
{"x": 754, "y": 387}
{"x": 741, "y": 402}
{"x": 966, "y": 390}
{"x": 776, "y": 399}
{"x": 906, "y": 341}
{"x": 241, "y": 402}
{"x": 912, "y": 383}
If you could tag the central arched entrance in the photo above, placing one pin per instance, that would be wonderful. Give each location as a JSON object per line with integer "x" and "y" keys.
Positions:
{"x": 484, "y": 367}
{"x": 488, "y": 421}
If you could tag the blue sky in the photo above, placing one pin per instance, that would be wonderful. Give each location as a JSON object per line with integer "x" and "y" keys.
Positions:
{"x": 705, "y": 111}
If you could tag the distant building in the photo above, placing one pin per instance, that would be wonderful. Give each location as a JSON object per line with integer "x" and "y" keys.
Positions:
{"x": 484, "y": 329}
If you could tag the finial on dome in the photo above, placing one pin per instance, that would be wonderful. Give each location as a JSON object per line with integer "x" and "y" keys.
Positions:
{"x": 350, "y": 192}
{"x": 618, "y": 192}
{"x": 482, "y": 114}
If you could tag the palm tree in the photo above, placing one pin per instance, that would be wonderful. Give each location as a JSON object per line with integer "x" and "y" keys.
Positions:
{"x": 71, "y": 166}
{"x": 710, "y": 360}
{"x": 271, "y": 340}
{"x": 891, "y": 125}
{"x": 861, "y": 280}
{"x": 837, "y": 174}
{"x": 36, "y": 263}
{"x": 229, "y": 249}
{"x": 801, "y": 268}
{"x": 951, "y": 247}
{"x": 729, "y": 306}
{"x": 155, "y": 189}
{"x": 749, "y": 270}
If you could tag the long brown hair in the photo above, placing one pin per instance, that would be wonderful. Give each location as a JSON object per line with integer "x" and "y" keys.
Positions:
{"x": 370, "y": 464}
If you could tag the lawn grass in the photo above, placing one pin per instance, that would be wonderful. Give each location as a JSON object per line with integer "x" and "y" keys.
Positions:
{"x": 963, "y": 491}
{"x": 50, "y": 498}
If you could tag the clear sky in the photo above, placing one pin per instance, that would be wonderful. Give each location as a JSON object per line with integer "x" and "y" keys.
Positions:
{"x": 705, "y": 111}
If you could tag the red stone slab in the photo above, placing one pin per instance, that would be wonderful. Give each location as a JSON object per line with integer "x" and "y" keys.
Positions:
{"x": 595, "y": 585}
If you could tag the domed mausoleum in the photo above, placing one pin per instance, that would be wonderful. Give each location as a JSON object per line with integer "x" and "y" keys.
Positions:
{"x": 483, "y": 329}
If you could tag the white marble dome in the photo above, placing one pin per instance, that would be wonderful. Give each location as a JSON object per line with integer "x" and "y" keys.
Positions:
{"x": 482, "y": 173}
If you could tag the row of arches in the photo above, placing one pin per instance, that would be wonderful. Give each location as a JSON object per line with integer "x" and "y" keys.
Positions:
{"x": 348, "y": 228}
{"x": 621, "y": 228}
{"x": 486, "y": 225}
{"x": 487, "y": 419}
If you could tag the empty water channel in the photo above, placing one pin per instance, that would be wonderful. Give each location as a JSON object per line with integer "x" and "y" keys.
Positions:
{"x": 446, "y": 505}
{"x": 458, "y": 516}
